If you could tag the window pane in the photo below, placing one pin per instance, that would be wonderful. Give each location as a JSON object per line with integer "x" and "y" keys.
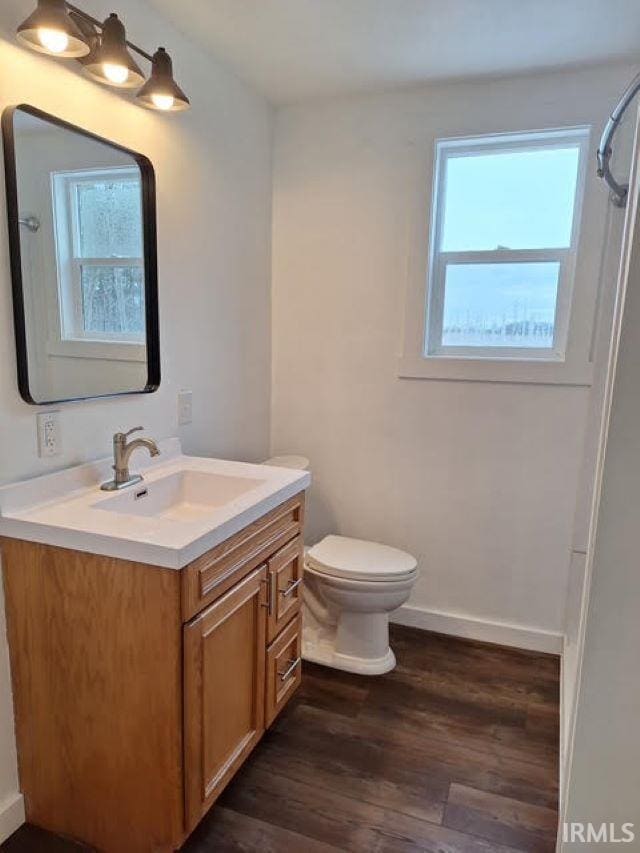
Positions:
{"x": 109, "y": 218}
{"x": 113, "y": 300}
{"x": 516, "y": 200}
{"x": 500, "y": 305}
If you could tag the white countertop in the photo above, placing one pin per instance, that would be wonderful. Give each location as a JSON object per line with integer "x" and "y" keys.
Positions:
{"x": 63, "y": 508}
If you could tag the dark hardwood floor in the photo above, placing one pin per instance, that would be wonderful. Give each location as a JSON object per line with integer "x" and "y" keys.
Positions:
{"x": 456, "y": 751}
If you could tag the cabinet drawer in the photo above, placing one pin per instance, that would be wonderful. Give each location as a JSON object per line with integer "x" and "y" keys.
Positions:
{"x": 218, "y": 570}
{"x": 285, "y": 586}
{"x": 284, "y": 669}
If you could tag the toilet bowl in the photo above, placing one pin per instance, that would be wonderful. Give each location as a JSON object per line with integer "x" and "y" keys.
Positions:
{"x": 350, "y": 588}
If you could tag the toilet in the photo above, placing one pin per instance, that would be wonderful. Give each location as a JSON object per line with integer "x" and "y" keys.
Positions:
{"x": 351, "y": 586}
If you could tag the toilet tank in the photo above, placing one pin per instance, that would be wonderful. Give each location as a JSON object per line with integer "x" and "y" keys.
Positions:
{"x": 301, "y": 463}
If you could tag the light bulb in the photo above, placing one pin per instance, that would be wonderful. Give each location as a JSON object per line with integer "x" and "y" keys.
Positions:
{"x": 54, "y": 41}
{"x": 162, "y": 102}
{"x": 115, "y": 73}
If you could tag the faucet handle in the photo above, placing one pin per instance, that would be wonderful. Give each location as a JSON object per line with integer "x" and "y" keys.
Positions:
{"x": 121, "y": 437}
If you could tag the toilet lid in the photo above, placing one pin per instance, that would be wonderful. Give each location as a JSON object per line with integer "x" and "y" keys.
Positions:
{"x": 356, "y": 559}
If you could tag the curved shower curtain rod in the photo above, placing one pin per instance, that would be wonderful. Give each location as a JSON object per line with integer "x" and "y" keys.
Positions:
{"x": 619, "y": 191}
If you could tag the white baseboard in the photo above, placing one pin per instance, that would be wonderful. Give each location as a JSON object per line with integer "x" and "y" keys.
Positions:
{"x": 501, "y": 633}
{"x": 11, "y": 815}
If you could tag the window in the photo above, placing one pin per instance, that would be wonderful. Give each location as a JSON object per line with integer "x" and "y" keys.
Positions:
{"x": 505, "y": 219}
{"x": 99, "y": 241}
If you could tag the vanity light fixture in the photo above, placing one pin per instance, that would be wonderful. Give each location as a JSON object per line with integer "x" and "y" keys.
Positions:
{"x": 60, "y": 29}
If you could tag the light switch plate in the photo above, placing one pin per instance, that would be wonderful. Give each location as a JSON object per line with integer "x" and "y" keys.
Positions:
{"x": 49, "y": 434}
{"x": 185, "y": 406}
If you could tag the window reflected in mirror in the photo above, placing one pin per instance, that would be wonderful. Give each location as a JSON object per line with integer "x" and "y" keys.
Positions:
{"x": 83, "y": 262}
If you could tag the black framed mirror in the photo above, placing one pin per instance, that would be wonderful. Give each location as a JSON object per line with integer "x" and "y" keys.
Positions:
{"x": 82, "y": 242}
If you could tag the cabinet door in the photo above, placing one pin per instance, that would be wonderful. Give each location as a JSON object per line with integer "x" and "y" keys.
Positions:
{"x": 285, "y": 582}
{"x": 224, "y": 679}
{"x": 284, "y": 671}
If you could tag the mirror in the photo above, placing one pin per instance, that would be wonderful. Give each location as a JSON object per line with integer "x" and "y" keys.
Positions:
{"x": 82, "y": 240}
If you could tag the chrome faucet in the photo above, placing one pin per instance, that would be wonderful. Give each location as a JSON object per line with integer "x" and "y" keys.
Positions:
{"x": 122, "y": 450}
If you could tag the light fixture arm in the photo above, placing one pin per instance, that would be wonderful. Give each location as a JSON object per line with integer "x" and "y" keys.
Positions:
{"x": 619, "y": 191}
{"x": 98, "y": 25}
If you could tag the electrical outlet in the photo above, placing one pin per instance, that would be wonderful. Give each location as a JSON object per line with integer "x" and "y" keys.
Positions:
{"x": 185, "y": 406}
{"x": 49, "y": 434}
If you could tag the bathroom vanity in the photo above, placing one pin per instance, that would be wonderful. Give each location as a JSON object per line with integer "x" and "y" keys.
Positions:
{"x": 154, "y": 634}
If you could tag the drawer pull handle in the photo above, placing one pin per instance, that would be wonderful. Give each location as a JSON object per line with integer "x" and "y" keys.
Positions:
{"x": 290, "y": 669}
{"x": 293, "y": 585}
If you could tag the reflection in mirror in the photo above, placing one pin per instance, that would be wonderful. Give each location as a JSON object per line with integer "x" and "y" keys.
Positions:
{"x": 83, "y": 255}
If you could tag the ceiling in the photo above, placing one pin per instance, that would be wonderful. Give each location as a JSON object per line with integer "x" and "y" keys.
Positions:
{"x": 296, "y": 49}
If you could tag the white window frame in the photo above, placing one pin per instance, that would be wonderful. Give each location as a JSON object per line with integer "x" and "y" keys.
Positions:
{"x": 72, "y": 339}
{"x": 424, "y": 356}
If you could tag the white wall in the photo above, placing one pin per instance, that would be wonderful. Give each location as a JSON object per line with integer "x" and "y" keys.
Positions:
{"x": 213, "y": 170}
{"x": 477, "y": 480}
{"x": 603, "y": 778}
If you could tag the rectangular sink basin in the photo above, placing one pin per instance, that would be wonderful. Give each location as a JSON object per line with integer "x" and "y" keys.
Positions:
{"x": 181, "y": 496}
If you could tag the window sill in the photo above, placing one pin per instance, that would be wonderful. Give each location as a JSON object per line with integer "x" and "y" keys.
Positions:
{"x": 106, "y": 350}
{"x": 463, "y": 369}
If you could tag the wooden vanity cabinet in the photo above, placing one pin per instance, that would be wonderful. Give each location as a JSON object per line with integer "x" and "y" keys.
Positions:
{"x": 139, "y": 691}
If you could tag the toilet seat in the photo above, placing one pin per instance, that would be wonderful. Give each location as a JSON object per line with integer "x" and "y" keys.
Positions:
{"x": 358, "y": 560}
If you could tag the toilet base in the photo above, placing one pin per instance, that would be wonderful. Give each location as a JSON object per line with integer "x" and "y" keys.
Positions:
{"x": 322, "y": 651}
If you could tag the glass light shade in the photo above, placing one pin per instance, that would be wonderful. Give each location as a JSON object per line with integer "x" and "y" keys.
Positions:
{"x": 50, "y": 30}
{"x": 111, "y": 63}
{"x": 161, "y": 92}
